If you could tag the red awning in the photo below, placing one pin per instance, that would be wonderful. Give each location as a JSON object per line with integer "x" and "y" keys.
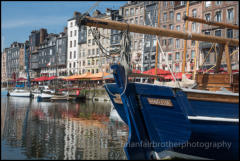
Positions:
{"x": 159, "y": 72}
{"x": 40, "y": 79}
{"x": 52, "y": 77}
{"x": 21, "y": 79}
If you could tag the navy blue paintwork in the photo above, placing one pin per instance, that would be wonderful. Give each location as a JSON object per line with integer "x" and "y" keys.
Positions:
{"x": 153, "y": 125}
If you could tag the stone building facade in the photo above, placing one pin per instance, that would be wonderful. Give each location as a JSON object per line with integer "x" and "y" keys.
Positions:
{"x": 12, "y": 60}
{"x": 3, "y": 66}
{"x": 133, "y": 12}
{"x": 225, "y": 12}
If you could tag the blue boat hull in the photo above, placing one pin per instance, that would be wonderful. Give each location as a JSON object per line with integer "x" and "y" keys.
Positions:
{"x": 175, "y": 126}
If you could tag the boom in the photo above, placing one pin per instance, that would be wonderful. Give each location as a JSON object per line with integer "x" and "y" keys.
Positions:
{"x": 115, "y": 25}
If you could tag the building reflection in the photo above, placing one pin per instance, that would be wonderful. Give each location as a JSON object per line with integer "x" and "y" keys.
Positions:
{"x": 63, "y": 130}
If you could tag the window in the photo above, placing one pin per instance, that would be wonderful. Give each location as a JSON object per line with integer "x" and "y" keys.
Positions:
{"x": 136, "y": 20}
{"x": 194, "y": 27}
{"x": 131, "y": 11}
{"x": 193, "y": 43}
{"x": 171, "y": 27}
{"x": 171, "y": 15}
{"x": 170, "y": 42}
{"x": 70, "y": 33}
{"x": 140, "y": 44}
{"x": 165, "y": 3}
{"x": 164, "y": 42}
{"x": 218, "y": 16}
{"x": 135, "y": 45}
{"x": 229, "y": 33}
{"x": 75, "y": 43}
{"x": 154, "y": 43}
{"x": 70, "y": 44}
{"x": 165, "y": 17}
{"x": 75, "y": 32}
{"x": 93, "y": 62}
{"x": 74, "y": 54}
{"x": 171, "y": 3}
{"x": 73, "y": 64}
{"x": 164, "y": 26}
{"x": 126, "y": 12}
{"x": 88, "y": 62}
{"x": 70, "y": 55}
{"x": 89, "y": 42}
{"x": 208, "y": 4}
{"x": 192, "y": 54}
{"x": 208, "y": 16}
{"x": 71, "y": 24}
{"x": 177, "y": 43}
{"x": 93, "y": 51}
{"x": 89, "y": 52}
{"x": 178, "y": 16}
{"x": 136, "y": 11}
{"x": 194, "y": 13}
{"x": 218, "y": 33}
{"x": 70, "y": 65}
{"x": 207, "y": 33}
{"x": 178, "y": 27}
{"x": 141, "y": 20}
{"x": 182, "y": 2}
{"x": 177, "y": 55}
{"x": 230, "y": 14}
{"x": 169, "y": 56}
{"x": 142, "y": 10}
{"x": 131, "y": 20}
{"x": 147, "y": 44}
{"x": 97, "y": 51}
{"x": 218, "y": 2}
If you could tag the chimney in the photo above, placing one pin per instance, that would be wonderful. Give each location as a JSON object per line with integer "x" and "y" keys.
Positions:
{"x": 43, "y": 34}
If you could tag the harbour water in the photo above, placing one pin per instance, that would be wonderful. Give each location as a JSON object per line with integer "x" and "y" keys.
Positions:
{"x": 60, "y": 130}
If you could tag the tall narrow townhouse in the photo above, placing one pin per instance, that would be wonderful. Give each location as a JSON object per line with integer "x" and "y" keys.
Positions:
{"x": 175, "y": 58}
{"x": 3, "y": 66}
{"x": 133, "y": 12}
{"x": 166, "y": 21}
{"x": 149, "y": 49}
{"x": 12, "y": 60}
{"x": 72, "y": 50}
{"x": 224, "y": 12}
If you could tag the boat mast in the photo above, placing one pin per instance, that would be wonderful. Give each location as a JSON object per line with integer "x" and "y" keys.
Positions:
{"x": 156, "y": 56}
{"x": 223, "y": 25}
{"x": 185, "y": 41}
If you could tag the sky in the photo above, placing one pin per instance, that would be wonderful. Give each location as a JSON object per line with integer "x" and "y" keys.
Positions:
{"x": 19, "y": 18}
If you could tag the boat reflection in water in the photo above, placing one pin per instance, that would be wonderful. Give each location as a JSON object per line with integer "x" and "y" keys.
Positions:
{"x": 45, "y": 130}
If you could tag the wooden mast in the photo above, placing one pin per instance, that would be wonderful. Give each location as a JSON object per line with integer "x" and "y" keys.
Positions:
{"x": 185, "y": 41}
{"x": 156, "y": 57}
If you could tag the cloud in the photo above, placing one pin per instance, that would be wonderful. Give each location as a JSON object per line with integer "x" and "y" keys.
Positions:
{"x": 34, "y": 22}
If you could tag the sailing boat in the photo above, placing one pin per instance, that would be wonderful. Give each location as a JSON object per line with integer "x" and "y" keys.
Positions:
{"x": 20, "y": 92}
{"x": 193, "y": 122}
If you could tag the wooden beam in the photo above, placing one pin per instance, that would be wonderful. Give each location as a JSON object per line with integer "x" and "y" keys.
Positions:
{"x": 223, "y": 25}
{"x": 228, "y": 59}
{"x": 219, "y": 59}
{"x": 115, "y": 25}
{"x": 185, "y": 42}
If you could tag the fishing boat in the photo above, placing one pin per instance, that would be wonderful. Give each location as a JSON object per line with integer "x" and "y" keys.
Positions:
{"x": 201, "y": 123}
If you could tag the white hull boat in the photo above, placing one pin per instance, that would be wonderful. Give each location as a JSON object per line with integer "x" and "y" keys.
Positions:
{"x": 20, "y": 93}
